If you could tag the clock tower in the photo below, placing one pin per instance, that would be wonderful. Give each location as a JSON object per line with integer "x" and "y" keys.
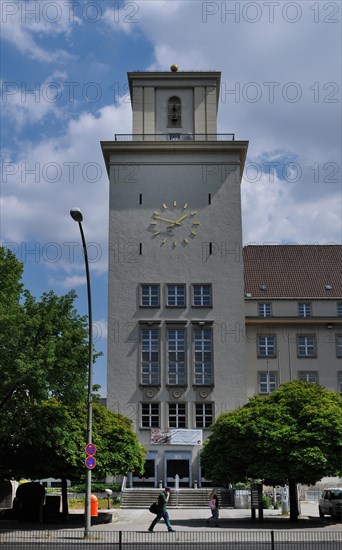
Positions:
{"x": 176, "y": 346}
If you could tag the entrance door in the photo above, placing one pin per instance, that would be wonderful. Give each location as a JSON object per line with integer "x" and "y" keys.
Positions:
{"x": 147, "y": 479}
{"x": 180, "y": 467}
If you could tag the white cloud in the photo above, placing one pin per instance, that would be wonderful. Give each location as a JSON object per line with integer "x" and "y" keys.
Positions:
{"x": 68, "y": 282}
{"x": 29, "y": 106}
{"x": 43, "y": 181}
{"x": 24, "y": 23}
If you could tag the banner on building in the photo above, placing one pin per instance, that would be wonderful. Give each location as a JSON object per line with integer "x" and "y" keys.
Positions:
{"x": 175, "y": 436}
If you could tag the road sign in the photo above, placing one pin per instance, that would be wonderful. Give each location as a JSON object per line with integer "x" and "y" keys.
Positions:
{"x": 90, "y": 462}
{"x": 90, "y": 449}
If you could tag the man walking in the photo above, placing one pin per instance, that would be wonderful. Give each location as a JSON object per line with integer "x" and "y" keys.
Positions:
{"x": 161, "y": 510}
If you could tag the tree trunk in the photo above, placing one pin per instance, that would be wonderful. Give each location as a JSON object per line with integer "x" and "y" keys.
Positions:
{"x": 65, "y": 506}
{"x": 293, "y": 494}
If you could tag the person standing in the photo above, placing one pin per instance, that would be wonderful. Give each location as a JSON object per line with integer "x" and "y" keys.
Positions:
{"x": 162, "y": 511}
{"x": 214, "y": 507}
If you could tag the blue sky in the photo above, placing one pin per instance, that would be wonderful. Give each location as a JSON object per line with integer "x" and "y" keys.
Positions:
{"x": 64, "y": 88}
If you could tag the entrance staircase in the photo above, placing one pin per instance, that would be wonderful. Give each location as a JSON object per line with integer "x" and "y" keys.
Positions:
{"x": 186, "y": 498}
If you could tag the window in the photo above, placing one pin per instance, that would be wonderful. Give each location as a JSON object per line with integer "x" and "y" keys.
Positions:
{"x": 149, "y": 296}
{"x": 308, "y": 376}
{"x": 264, "y": 310}
{"x": 174, "y": 112}
{"x": 306, "y": 346}
{"x": 266, "y": 346}
{"x": 339, "y": 309}
{"x": 175, "y": 296}
{"x": 150, "y": 415}
{"x": 150, "y": 356}
{"x": 202, "y": 296}
{"x": 267, "y": 382}
{"x": 177, "y": 417}
{"x": 339, "y": 345}
{"x": 204, "y": 415}
{"x": 203, "y": 356}
{"x": 176, "y": 356}
{"x": 339, "y": 382}
{"x": 304, "y": 309}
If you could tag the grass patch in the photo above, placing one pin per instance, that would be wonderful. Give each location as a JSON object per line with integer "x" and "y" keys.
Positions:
{"x": 78, "y": 503}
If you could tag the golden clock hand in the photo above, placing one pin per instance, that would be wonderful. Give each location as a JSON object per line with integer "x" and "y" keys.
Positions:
{"x": 173, "y": 222}
{"x": 181, "y": 219}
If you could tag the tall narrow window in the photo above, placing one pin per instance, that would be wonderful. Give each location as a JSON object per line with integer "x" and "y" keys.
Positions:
{"x": 339, "y": 309}
{"x": 150, "y": 356}
{"x": 174, "y": 112}
{"x": 339, "y": 345}
{"x": 177, "y": 415}
{"x": 339, "y": 382}
{"x": 176, "y": 356}
{"x": 203, "y": 356}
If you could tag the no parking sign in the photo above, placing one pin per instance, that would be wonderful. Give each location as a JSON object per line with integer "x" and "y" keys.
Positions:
{"x": 90, "y": 461}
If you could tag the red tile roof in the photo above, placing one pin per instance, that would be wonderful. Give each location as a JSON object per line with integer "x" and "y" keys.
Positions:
{"x": 293, "y": 271}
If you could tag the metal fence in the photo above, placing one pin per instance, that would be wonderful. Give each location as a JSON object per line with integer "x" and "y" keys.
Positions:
{"x": 174, "y": 136}
{"x": 186, "y": 540}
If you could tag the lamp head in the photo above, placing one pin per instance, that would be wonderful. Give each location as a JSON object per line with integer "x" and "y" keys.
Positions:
{"x": 76, "y": 214}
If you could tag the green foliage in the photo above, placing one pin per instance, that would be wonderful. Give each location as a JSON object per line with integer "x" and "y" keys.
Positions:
{"x": 266, "y": 502}
{"x": 118, "y": 448}
{"x": 43, "y": 388}
{"x": 44, "y": 349}
{"x": 246, "y": 485}
{"x": 294, "y": 434}
{"x": 97, "y": 487}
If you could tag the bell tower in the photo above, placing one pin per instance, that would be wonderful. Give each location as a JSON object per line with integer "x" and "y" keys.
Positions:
{"x": 174, "y": 103}
{"x": 176, "y": 352}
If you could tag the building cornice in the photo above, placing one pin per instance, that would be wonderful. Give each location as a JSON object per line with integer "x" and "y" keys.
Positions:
{"x": 176, "y": 147}
{"x": 284, "y": 320}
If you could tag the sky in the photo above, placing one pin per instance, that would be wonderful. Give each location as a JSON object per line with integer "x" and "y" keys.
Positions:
{"x": 64, "y": 89}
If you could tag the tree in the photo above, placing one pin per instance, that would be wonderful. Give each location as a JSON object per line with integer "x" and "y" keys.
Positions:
{"x": 50, "y": 442}
{"x": 43, "y": 346}
{"x": 292, "y": 436}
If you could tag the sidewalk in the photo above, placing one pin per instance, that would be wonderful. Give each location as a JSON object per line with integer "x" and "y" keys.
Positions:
{"x": 235, "y": 519}
{"x": 192, "y": 520}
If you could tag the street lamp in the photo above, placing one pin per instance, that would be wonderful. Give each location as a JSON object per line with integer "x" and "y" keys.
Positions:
{"x": 76, "y": 215}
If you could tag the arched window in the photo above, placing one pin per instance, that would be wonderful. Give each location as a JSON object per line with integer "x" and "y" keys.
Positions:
{"x": 174, "y": 112}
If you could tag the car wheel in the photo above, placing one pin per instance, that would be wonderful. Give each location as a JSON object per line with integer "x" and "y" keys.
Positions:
{"x": 321, "y": 515}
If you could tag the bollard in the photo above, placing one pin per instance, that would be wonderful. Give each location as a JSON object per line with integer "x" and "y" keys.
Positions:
{"x": 94, "y": 506}
{"x": 108, "y": 493}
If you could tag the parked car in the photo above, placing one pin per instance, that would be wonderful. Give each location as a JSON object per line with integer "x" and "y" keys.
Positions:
{"x": 330, "y": 503}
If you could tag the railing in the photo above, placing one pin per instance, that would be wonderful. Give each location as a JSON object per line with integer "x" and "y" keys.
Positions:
{"x": 180, "y": 540}
{"x": 174, "y": 136}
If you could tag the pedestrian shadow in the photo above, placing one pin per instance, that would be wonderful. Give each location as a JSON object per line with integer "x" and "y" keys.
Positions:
{"x": 273, "y": 523}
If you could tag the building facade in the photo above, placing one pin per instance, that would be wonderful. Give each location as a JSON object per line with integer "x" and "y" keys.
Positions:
{"x": 175, "y": 271}
{"x": 293, "y": 299}
{"x": 197, "y": 324}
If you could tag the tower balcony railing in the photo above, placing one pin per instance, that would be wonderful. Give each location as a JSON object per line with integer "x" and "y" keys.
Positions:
{"x": 175, "y": 136}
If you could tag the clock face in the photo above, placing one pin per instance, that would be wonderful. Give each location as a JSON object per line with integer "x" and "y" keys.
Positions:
{"x": 174, "y": 223}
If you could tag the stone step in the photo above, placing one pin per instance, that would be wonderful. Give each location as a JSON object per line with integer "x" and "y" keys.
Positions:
{"x": 186, "y": 498}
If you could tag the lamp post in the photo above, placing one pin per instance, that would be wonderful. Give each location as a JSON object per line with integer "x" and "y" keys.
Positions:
{"x": 77, "y": 216}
